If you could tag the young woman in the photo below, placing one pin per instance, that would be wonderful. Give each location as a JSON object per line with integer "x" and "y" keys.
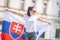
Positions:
{"x": 30, "y": 19}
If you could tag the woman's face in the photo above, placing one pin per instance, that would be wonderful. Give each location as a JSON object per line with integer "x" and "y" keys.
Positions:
{"x": 32, "y": 12}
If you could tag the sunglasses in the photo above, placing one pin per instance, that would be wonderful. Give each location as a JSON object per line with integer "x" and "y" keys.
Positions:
{"x": 34, "y": 11}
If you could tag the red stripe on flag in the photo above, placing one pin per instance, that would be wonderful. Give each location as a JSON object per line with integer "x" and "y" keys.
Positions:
{"x": 5, "y": 36}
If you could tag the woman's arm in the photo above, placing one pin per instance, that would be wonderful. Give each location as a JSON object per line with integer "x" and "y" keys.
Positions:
{"x": 14, "y": 11}
{"x": 42, "y": 17}
{"x": 44, "y": 20}
{"x": 11, "y": 10}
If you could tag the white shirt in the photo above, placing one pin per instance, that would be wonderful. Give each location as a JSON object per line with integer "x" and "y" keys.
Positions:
{"x": 30, "y": 23}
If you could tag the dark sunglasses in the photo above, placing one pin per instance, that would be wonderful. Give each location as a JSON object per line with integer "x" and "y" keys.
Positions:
{"x": 34, "y": 11}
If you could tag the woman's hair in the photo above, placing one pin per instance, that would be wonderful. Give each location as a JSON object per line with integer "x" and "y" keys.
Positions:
{"x": 29, "y": 9}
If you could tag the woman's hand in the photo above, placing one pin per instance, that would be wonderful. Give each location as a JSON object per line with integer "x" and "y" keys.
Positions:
{"x": 6, "y": 9}
{"x": 2, "y": 8}
{"x": 49, "y": 23}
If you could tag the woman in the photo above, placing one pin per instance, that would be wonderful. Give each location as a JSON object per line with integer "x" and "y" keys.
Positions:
{"x": 30, "y": 19}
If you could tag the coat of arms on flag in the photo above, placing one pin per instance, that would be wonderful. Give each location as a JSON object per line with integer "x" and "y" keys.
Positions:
{"x": 16, "y": 29}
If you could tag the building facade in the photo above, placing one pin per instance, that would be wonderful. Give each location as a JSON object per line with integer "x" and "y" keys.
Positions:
{"x": 46, "y": 7}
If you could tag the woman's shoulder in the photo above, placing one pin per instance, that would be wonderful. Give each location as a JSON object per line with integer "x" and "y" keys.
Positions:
{"x": 25, "y": 15}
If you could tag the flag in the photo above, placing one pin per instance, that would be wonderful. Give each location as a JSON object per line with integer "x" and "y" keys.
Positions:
{"x": 41, "y": 27}
{"x": 12, "y": 27}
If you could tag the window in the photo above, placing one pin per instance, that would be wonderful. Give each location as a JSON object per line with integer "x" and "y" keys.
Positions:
{"x": 33, "y": 2}
{"x": 45, "y": 2}
{"x": 58, "y": 4}
{"x": 22, "y": 4}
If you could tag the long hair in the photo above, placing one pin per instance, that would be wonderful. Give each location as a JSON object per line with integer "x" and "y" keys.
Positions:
{"x": 29, "y": 9}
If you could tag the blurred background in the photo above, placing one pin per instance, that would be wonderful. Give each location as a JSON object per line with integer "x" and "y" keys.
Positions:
{"x": 51, "y": 8}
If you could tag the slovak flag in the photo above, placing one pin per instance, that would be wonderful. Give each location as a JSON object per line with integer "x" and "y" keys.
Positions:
{"x": 12, "y": 27}
{"x": 41, "y": 28}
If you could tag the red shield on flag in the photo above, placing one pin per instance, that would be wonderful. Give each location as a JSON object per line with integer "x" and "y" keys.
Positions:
{"x": 16, "y": 29}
